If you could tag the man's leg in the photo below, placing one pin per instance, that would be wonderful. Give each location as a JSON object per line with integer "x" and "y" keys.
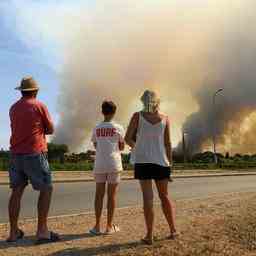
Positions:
{"x": 98, "y": 203}
{"x": 14, "y": 211}
{"x": 38, "y": 171}
{"x": 111, "y": 205}
{"x": 43, "y": 207}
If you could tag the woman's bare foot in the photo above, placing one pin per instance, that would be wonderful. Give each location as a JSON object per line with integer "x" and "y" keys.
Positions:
{"x": 173, "y": 235}
{"x": 148, "y": 239}
{"x": 95, "y": 231}
{"x": 112, "y": 229}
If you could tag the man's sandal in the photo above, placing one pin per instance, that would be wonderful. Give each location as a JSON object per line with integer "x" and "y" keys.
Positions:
{"x": 20, "y": 235}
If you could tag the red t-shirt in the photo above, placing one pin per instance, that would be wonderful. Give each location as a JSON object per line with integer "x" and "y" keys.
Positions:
{"x": 30, "y": 122}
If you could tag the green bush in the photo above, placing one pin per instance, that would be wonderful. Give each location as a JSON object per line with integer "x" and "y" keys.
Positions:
{"x": 4, "y": 164}
{"x": 200, "y": 165}
{"x": 81, "y": 166}
{"x": 194, "y": 166}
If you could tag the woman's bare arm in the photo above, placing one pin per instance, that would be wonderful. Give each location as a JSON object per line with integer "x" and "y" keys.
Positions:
{"x": 167, "y": 142}
{"x": 132, "y": 130}
{"x": 121, "y": 145}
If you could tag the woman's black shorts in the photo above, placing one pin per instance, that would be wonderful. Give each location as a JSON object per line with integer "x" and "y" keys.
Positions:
{"x": 149, "y": 171}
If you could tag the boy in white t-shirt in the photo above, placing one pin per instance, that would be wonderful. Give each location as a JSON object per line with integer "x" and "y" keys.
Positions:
{"x": 108, "y": 139}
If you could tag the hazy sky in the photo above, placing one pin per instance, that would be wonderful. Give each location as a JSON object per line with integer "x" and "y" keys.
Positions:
{"x": 174, "y": 42}
{"x": 33, "y": 34}
{"x": 22, "y": 55}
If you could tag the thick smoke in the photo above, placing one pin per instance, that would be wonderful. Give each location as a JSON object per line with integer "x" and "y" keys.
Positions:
{"x": 233, "y": 69}
{"x": 185, "y": 50}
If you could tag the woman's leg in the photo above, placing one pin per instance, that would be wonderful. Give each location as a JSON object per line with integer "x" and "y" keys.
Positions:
{"x": 148, "y": 198}
{"x": 112, "y": 189}
{"x": 167, "y": 205}
{"x": 98, "y": 204}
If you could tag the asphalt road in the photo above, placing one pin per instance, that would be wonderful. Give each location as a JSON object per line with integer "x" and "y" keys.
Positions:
{"x": 74, "y": 198}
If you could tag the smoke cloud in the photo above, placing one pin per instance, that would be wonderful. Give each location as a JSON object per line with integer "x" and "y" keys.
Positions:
{"x": 232, "y": 65}
{"x": 183, "y": 49}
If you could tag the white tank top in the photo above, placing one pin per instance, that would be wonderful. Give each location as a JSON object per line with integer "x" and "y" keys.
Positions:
{"x": 150, "y": 147}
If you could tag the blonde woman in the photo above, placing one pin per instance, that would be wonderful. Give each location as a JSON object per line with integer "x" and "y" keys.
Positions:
{"x": 148, "y": 135}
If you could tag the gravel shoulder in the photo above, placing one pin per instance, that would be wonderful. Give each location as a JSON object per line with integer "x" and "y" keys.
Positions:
{"x": 220, "y": 225}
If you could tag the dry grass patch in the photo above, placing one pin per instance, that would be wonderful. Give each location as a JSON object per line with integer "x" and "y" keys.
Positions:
{"x": 242, "y": 224}
{"x": 218, "y": 226}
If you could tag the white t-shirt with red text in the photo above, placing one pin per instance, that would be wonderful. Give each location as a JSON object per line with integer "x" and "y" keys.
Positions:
{"x": 108, "y": 135}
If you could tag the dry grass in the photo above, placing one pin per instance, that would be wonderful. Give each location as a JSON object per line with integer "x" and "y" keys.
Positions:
{"x": 242, "y": 226}
{"x": 220, "y": 226}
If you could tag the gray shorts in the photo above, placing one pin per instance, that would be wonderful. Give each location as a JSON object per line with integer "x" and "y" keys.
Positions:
{"x": 30, "y": 167}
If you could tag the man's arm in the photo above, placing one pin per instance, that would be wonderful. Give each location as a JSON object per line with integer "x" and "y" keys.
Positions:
{"x": 47, "y": 120}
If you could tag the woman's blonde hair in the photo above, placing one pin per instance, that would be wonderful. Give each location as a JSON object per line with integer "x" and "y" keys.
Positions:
{"x": 151, "y": 101}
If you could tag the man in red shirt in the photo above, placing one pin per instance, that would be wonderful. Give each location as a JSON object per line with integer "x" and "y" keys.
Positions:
{"x": 30, "y": 123}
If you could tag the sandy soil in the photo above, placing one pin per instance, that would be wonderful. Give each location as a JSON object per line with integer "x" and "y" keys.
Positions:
{"x": 222, "y": 225}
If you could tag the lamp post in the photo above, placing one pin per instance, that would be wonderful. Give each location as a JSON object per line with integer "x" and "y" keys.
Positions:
{"x": 214, "y": 127}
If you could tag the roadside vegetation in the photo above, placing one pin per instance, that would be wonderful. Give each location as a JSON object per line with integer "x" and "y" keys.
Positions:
{"x": 62, "y": 160}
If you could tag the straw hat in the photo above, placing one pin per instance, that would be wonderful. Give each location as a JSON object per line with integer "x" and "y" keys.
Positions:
{"x": 28, "y": 84}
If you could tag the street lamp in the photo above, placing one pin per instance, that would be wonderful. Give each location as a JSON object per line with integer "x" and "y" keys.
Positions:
{"x": 214, "y": 127}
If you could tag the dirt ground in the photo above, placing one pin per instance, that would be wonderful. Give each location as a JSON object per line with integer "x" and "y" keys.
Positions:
{"x": 221, "y": 225}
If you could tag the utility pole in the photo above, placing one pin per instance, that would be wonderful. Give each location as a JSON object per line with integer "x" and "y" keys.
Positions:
{"x": 184, "y": 147}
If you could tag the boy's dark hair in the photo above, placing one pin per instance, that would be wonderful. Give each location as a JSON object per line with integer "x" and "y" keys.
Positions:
{"x": 108, "y": 108}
